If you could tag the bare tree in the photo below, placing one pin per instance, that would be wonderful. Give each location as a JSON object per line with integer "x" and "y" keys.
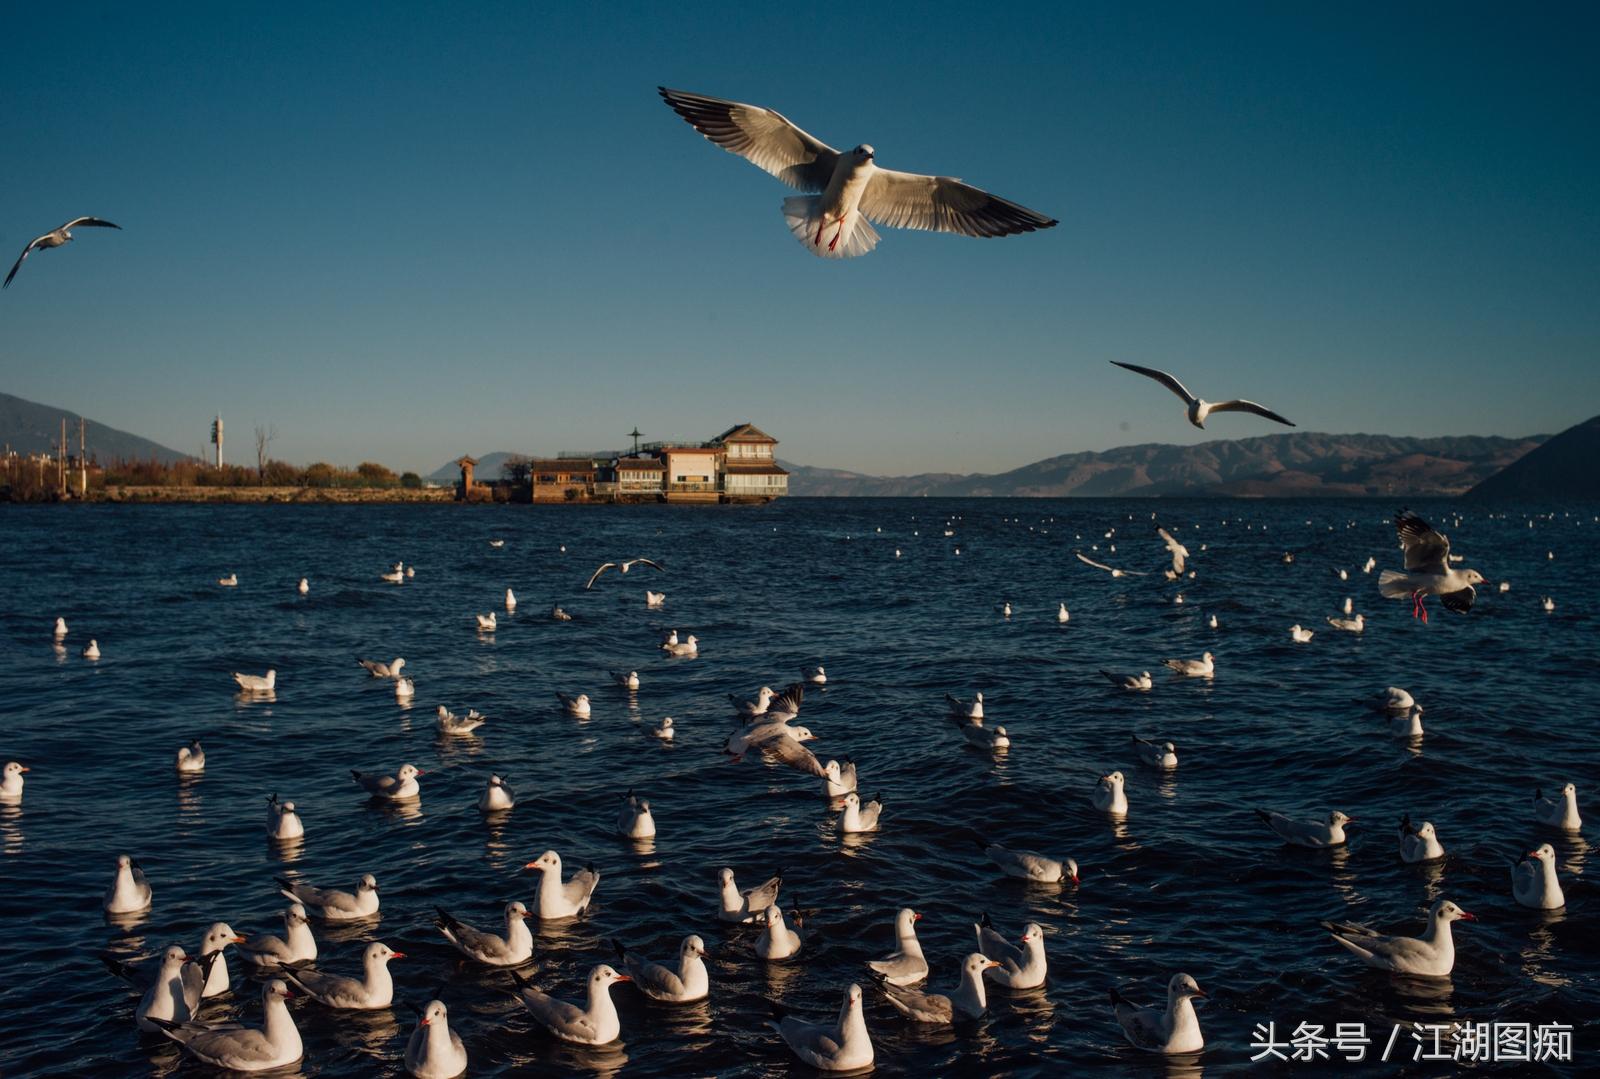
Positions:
{"x": 265, "y": 436}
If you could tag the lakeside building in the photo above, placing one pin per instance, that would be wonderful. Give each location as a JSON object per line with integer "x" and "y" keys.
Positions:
{"x": 739, "y": 465}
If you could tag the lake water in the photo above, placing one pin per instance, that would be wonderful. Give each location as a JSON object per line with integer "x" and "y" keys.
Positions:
{"x": 1191, "y": 881}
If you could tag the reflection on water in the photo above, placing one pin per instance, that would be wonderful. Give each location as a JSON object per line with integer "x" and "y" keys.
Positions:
{"x": 11, "y": 829}
{"x": 286, "y": 851}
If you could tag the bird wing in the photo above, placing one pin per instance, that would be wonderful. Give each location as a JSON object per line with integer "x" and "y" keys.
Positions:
{"x": 909, "y": 200}
{"x": 653, "y": 979}
{"x": 94, "y": 222}
{"x": 922, "y": 1007}
{"x": 996, "y": 947}
{"x": 598, "y": 572}
{"x": 764, "y": 137}
{"x": 1250, "y": 406}
{"x": 1426, "y": 550}
{"x": 581, "y": 885}
{"x": 472, "y": 941}
{"x": 646, "y": 562}
{"x": 1162, "y": 377}
{"x": 1086, "y": 560}
{"x": 26, "y": 251}
{"x": 795, "y": 755}
{"x": 1141, "y": 1025}
{"x": 788, "y": 703}
{"x": 551, "y": 1012}
{"x": 762, "y": 897}
{"x": 1460, "y": 602}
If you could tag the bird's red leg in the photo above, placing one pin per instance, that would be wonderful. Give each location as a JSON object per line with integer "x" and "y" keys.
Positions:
{"x": 818, "y": 241}
{"x": 835, "y": 241}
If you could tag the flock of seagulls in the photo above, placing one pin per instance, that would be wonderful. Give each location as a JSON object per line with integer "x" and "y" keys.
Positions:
{"x": 175, "y": 985}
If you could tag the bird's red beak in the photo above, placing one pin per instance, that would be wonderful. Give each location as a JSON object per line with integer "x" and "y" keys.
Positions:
{"x": 240, "y": 940}
{"x": 1201, "y": 993}
{"x": 397, "y": 955}
{"x": 25, "y": 768}
{"x": 1468, "y": 917}
{"x": 1074, "y": 878}
{"x": 624, "y": 978}
{"x": 916, "y": 917}
{"x": 424, "y": 1022}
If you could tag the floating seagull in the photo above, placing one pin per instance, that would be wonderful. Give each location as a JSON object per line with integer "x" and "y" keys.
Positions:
{"x": 404, "y": 689}
{"x": 1392, "y": 699}
{"x": 1108, "y": 795}
{"x": 1086, "y": 560}
{"x": 497, "y": 543}
{"x": 61, "y": 628}
{"x": 961, "y": 709}
{"x": 985, "y": 738}
{"x": 623, "y": 567}
{"x": 331, "y": 904}
{"x": 168, "y": 996}
{"x": 654, "y": 600}
{"x": 1548, "y": 604}
{"x": 400, "y": 787}
{"x": 373, "y": 991}
{"x": 1300, "y": 635}
{"x": 487, "y": 623}
{"x": 1419, "y": 843}
{"x": 282, "y": 820}
{"x": 559, "y": 615}
{"x": 511, "y": 600}
{"x": 669, "y": 637}
{"x": 1204, "y": 667}
{"x": 395, "y": 576}
{"x": 1005, "y": 609}
{"x": 303, "y": 587}
{"x": 634, "y": 819}
{"x": 1349, "y": 625}
{"x": 746, "y": 906}
{"x": 689, "y": 646}
{"x": 257, "y": 683}
{"x": 1308, "y": 833}
{"x": 1140, "y": 681}
{"x": 837, "y": 779}
{"x": 629, "y": 680}
{"x": 452, "y": 724}
{"x": 1349, "y": 606}
{"x": 56, "y": 238}
{"x": 857, "y": 817}
{"x": 230, "y": 581}
{"x": 411, "y": 571}
{"x": 1015, "y": 967}
{"x": 1212, "y": 621}
{"x": 1178, "y": 551}
{"x": 1030, "y": 865}
{"x": 1162, "y": 755}
{"x": 1433, "y": 955}
{"x": 496, "y": 797}
{"x": 1534, "y": 882}
{"x": 1558, "y": 812}
{"x": 296, "y": 946}
{"x": 1061, "y": 613}
{"x": 853, "y": 190}
{"x": 434, "y": 1050}
{"x": 382, "y": 670}
{"x": 756, "y": 707}
{"x": 665, "y": 731}
{"x": 275, "y": 1045}
{"x": 1175, "y": 1030}
{"x": 594, "y": 1024}
{"x": 481, "y": 946}
{"x": 129, "y": 892}
{"x": 690, "y": 982}
{"x": 817, "y": 675}
{"x": 1428, "y": 571}
{"x": 191, "y": 758}
{"x": 777, "y": 941}
{"x": 968, "y": 1000}
{"x": 907, "y": 965}
{"x": 575, "y": 706}
{"x": 1198, "y": 410}
{"x": 11, "y": 783}
{"x": 91, "y": 650}
{"x": 212, "y": 979}
{"x": 840, "y": 1046}
{"x": 557, "y": 898}
{"x": 1406, "y": 724}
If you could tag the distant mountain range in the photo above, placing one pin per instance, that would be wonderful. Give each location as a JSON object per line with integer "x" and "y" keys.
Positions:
{"x": 1566, "y": 466}
{"x": 28, "y": 427}
{"x": 1303, "y": 464}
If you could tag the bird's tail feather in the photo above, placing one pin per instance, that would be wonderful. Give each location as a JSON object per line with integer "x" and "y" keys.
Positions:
{"x": 804, "y": 216}
{"x": 1392, "y": 583}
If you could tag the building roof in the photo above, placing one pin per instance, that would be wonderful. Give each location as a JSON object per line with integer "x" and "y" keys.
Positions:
{"x": 740, "y": 468}
{"x": 693, "y": 449}
{"x": 745, "y": 432}
{"x": 561, "y": 464}
{"x": 639, "y": 464}
{"x": 466, "y": 461}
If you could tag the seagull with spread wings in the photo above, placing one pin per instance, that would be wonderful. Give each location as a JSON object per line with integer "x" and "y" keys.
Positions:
{"x": 1178, "y": 551}
{"x": 56, "y": 238}
{"x": 1198, "y": 409}
{"x": 1086, "y": 560}
{"x": 849, "y": 190}
{"x": 623, "y": 566}
{"x": 1428, "y": 571}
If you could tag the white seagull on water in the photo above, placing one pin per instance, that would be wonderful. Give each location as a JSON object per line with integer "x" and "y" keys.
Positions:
{"x": 1433, "y": 955}
{"x": 272, "y": 1046}
{"x": 853, "y": 190}
{"x": 907, "y": 966}
{"x": 594, "y": 1024}
{"x": 840, "y": 1046}
{"x": 1198, "y": 410}
{"x": 1173, "y": 1030}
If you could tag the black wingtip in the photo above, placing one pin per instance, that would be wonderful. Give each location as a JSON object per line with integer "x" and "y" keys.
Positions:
{"x": 779, "y": 1012}
{"x": 519, "y": 980}
{"x": 284, "y": 882}
{"x": 622, "y": 953}
{"x": 1117, "y": 998}
{"x": 1264, "y": 815}
{"x": 985, "y": 922}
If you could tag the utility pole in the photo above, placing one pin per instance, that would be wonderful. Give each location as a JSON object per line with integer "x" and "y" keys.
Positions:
{"x": 83, "y": 462}
{"x": 634, "y": 434}
{"x": 61, "y": 458}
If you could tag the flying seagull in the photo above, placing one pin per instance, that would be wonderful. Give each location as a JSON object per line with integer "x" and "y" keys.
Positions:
{"x": 55, "y": 238}
{"x": 1086, "y": 560}
{"x": 623, "y": 566}
{"x": 1428, "y": 570}
{"x": 851, "y": 189}
{"x": 1198, "y": 409}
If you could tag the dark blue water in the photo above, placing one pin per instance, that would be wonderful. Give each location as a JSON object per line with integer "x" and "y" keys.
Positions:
{"x": 1191, "y": 881}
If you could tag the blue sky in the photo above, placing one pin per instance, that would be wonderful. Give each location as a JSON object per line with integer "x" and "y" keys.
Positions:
{"x": 400, "y": 232}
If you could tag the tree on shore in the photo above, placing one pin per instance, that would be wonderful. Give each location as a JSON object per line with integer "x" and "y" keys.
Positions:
{"x": 265, "y": 436}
